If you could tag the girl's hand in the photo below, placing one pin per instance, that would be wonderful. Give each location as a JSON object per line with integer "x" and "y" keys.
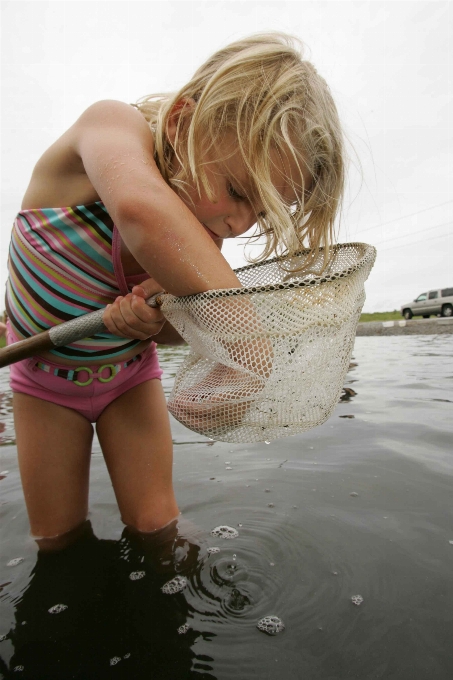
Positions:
{"x": 130, "y": 316}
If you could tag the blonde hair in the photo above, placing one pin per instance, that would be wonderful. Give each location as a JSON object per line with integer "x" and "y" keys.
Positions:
{"x": 262, "y": 90}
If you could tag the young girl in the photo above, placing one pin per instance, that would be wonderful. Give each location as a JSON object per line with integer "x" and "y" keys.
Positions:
{"x": 133, "y": 200}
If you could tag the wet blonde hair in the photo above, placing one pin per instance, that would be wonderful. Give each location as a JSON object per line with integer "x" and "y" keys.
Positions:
{"x": 262, "y": 91}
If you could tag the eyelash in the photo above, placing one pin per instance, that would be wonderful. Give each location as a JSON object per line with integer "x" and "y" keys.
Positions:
{"x": 234, "y": 194}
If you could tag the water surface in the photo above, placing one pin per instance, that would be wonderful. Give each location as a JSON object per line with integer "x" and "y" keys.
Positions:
{"x": 361, "y": 505}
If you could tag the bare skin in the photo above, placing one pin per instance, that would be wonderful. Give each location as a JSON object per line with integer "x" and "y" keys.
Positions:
{"x": 107, "y": 155}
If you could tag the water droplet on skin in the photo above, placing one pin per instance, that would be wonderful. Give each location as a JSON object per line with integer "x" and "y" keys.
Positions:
{"x": 271, "y": 625}
{"x": 357, "y": 599}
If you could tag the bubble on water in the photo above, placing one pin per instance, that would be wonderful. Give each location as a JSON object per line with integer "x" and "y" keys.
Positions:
{"x": 354, "y": 494}
{"x": 267, "y": 441}
{"x": 450, "y": 542}
{"x": 213, "y": 551}
{"x": 15, "y": 562}
{"x": 115, "y": 660}
{"x": 228, "y": 468}
{"x": 228, "y": 462}
{"x": 271, "y": 625}
{"x": 224, "y": 531}
{"x": 267, "y": 490}
{"x": 136, "y": 575}
{"x": 2, "y": 637}
{"x": 357, "y": 599}
{"x": 239, "y": 525}
{"x": 18, "y": 669}
{"x": 174, "y": 586}
{"x": 58, "y": 608}
{"x": 182, "y": 630}
{"x": 126, "y": 656}
{"x": 270, "y": 505}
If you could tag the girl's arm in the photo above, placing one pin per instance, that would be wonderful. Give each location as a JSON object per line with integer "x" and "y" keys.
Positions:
{"x": 115, "y": 145}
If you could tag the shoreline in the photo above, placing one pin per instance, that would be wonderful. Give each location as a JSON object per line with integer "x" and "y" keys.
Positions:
{"x": 435, "y": 326}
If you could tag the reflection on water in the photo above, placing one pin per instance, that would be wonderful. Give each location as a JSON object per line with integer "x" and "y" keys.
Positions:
{"x": 344, "y": 534}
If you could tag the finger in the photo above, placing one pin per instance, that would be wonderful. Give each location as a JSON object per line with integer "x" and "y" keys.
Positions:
{"x": 113, "y": 320}
{"x": 147, "y": 288}
{"x": 129, "y": 324}
{"x": 140, "y": 317}
{"x": 144, "y": 312}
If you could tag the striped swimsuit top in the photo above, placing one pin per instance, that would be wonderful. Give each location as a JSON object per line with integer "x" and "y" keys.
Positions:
{"x": 64, "y": 262}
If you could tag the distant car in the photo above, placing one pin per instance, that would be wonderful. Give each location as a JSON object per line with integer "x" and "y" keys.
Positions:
{"x": 433, "y": 302}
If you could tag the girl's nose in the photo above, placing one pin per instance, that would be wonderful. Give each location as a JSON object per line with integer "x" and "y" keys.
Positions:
{"x": 241, "y": 221}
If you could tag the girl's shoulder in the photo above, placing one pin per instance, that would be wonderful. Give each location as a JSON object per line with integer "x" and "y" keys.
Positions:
{"x": 60, "y": 176}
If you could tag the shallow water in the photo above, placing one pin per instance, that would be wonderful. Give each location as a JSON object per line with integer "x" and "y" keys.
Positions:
{"x": 361, "y": 505}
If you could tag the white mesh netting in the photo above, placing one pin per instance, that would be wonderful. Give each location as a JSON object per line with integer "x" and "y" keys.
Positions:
{"x": 269, "y": 360}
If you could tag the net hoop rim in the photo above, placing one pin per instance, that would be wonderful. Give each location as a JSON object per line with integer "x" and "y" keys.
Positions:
{"x": 367, "y": 258}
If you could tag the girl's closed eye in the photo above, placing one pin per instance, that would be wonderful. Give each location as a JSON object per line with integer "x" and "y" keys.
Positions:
{"x": 233, "y": 193}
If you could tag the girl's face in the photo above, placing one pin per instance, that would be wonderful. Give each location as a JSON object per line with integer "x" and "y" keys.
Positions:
{"x": 231, "y": 213}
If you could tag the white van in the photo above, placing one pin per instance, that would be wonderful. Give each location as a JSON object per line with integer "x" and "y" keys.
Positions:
{"x": 438, "y": 301}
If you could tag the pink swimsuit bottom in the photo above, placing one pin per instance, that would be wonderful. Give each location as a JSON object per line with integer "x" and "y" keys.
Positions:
{"x": 85, "y": 390}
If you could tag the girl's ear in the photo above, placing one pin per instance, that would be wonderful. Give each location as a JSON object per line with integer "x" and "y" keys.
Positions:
{"x": 186, "y": 105}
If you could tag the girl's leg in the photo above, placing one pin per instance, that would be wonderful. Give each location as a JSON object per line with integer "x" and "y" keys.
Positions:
{"x": 54, "y": 448}
{"x": 134, "y": 432}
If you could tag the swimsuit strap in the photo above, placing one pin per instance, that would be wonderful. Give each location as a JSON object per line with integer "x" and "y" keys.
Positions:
{"x": 117, "y": 264}
{"x": 121, "y": 278}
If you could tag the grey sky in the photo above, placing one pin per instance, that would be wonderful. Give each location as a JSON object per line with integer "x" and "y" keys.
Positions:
{"x": 389, "y": 66}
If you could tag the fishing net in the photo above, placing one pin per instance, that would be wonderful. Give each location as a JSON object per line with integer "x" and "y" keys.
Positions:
{"x": 269, "y": 360}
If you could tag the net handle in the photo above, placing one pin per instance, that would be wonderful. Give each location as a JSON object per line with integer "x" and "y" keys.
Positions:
{"x": 65, "y": 333}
